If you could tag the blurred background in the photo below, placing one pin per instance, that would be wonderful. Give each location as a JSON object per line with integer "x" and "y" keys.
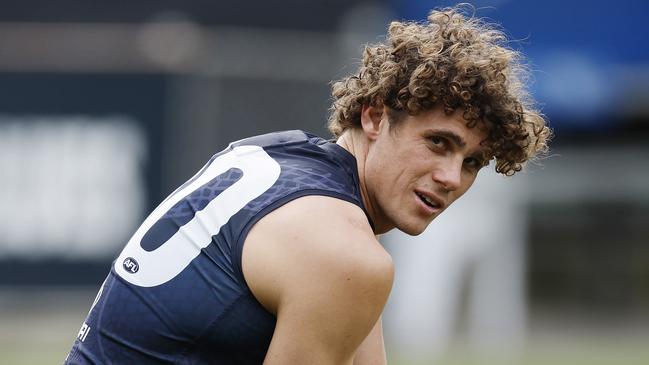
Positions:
{"x": 106, "y": 107}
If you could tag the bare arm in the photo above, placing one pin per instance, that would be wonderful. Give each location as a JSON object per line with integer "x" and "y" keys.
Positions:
{"x": 316, "y": 264}
{"x": 372, "y": 350}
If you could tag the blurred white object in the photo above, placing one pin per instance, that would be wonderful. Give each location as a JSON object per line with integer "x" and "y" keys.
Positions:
{"x": 479, "y": 241}
{"x": 71, "y": 185}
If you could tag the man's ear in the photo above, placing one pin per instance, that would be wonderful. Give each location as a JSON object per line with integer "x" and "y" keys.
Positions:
{"x": 371, "y": 117}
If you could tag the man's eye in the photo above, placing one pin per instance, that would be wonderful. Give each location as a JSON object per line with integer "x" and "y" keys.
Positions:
{"x": 437, "y": 141}
{"x": 474, "y": 163}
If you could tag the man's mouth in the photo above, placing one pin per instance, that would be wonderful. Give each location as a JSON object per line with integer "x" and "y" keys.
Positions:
{"x": 427, "y": 200}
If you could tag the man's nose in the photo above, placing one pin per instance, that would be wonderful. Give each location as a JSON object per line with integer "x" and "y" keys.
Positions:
{"x": 449, "y": 175}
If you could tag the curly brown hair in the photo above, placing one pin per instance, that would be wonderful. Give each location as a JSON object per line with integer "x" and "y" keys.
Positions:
{"x": 459, "y": 61}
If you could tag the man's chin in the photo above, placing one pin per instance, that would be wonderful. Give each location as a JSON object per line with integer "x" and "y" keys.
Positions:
{"x": 413, "y": 229}
{"x": 418, "y": 227}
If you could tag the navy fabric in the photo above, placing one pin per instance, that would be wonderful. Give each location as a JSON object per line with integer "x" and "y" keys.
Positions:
{"x": 207, "y": 314}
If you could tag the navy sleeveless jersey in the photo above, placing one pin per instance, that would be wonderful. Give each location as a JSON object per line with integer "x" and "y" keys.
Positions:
{"x": 176, "y": 294}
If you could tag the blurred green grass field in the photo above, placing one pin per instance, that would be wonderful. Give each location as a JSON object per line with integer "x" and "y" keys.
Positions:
{"x": 588, "y": 355}
{"x": 39, "y": 326}
{"x": 54, "y": 350}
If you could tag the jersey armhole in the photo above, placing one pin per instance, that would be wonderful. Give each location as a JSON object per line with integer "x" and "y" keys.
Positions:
{"x": 237, "y": 250}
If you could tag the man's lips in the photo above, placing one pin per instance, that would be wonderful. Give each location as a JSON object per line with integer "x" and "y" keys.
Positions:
{"x": 430, "y": 200}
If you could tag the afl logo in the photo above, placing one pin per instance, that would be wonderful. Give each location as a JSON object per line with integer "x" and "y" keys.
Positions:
{"x": 131, "y": 265}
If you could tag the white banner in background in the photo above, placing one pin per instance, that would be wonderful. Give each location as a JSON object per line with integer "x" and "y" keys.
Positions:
{"x": 70, "y": 186}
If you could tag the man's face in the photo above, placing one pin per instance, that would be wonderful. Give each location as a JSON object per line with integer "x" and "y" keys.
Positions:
{"x": 417, "y": 168}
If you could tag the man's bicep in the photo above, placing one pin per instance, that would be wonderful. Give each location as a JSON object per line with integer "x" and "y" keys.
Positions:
{"x": 372, "y": 350}
{"x": 325, "y": 278}
{"x": 325, "y": 318}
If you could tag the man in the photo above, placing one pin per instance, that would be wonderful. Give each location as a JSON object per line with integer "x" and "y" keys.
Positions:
{"x": 269, "y": 253}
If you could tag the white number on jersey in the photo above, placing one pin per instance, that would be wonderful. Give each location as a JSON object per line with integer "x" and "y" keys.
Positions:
{"x": 151, "y": 268}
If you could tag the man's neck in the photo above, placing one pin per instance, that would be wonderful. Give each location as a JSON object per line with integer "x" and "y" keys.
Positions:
{"x": 355, "y": 143}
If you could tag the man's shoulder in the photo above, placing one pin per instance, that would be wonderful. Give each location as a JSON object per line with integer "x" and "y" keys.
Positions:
{"x": 314, "y": 238}
{"x": 318, "y": 214}
{"x": 333, "y": 225}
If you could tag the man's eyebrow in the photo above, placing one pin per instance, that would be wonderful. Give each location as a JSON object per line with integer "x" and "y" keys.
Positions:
{"x": 452, "y": 136}
{"x": 460, "y": 142}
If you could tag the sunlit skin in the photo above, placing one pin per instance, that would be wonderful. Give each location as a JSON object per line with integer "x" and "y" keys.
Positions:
{"x": 431, "y": 155}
